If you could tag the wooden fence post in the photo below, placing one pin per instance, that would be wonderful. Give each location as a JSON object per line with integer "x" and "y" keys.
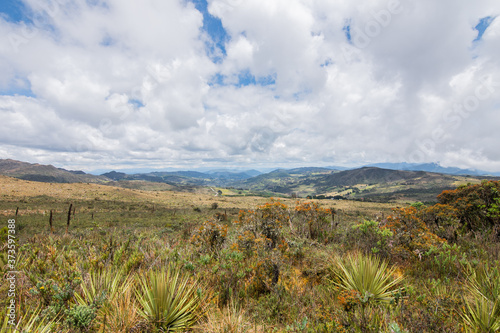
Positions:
{"x": 69, "y": 217}
{"x": 50, "y": 222}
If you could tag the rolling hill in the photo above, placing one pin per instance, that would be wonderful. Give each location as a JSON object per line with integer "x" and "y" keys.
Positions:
{"x": 370, "y": 176}
{"x": 45, "y": 173}
{"x": 434, "y": 167}
{"x": 367, "y": 183}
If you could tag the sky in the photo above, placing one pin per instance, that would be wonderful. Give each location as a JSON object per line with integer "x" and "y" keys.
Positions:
{"x": 117, "y": 84}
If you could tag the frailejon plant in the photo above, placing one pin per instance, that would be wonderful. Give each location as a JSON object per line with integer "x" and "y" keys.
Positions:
{"x": 394, "y": 328}
{"x": 102, "y": 290}
{"x": 170, "y": 300}
{"x": 372, "y": 281}
{"x": 481, "y": 312}
{"x": 485, "y": 281}
{"x": 122, "y": 315}
{"x": 481, "y": 315}
{"x": 102, "y": 285}
{"x": 29, "y": 323}
{"x": 369, "y": 276}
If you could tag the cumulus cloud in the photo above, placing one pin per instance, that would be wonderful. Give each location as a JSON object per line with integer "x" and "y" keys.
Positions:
{"x": 93, "y": 84}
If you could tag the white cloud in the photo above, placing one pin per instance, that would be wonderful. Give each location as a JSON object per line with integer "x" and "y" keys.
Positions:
{"x": 126, "y": 82}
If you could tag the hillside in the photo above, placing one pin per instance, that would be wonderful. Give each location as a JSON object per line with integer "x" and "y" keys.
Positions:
{"x": 33, "y": 197}
{"x": 367, "y": 183}
{"x": 176, "y": 180}
{"x": 45, "y": 173}
{"x": 434, "y": 167}
{"x": 370, "y": 176}
{"x": 285, "y": 181}
{"x": 184, "y": 178}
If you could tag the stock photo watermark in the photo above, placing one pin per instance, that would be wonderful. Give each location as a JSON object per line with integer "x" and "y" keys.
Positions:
{"x": 361, "y": 37}
{"x": 453, "y": 118}
{"x": 11, "y": 273}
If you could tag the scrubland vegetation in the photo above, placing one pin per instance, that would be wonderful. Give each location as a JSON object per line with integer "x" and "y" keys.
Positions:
{"x": 140, "y": 264}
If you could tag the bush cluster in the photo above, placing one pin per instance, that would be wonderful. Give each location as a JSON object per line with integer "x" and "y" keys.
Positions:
{"x": 281, "y": 267}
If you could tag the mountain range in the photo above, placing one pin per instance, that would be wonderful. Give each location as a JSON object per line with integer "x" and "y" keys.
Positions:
{"x": 45, "y": 173}
{"x": 434, "y": 167}
{"x": 380, "y": 182}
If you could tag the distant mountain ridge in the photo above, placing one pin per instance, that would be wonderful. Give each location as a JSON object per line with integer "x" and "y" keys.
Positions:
{"x": 45, "y": 173}
{"x": 192, "y": 178}
{"x": 403, "y": 166}
{"x": 369, "y": 182}
{"x": 366, "y": 183}
{"x": 433, "y": 167}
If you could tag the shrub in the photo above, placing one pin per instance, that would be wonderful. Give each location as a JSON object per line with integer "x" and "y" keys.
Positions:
{"x": 412, "y": 237}
{"x": 267, "y": 221}
{"x": 80, "y": 317}
{"x": 446, "y": 260}
{"x": 260, "y": 239}
{"x": 373, "y": 238}
{"x": 311, "y": 220}
{"x": 476, "y": 205}
{"x": 210, "y": 236}
{"x": 443, "y": 221}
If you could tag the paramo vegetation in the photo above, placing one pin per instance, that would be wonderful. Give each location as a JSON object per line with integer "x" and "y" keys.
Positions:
{"x": 291, "y": 266}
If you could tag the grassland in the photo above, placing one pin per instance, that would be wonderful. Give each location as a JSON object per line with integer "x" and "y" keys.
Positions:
{"x": 267, "y": 265}
{"x": 35, "y": 200}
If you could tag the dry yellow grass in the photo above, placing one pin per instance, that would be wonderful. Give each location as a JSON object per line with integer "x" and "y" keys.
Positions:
{"x": 13, "y": 189}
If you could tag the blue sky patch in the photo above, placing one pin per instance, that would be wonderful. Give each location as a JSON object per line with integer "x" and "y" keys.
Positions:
{"x": 216, "y": 48}
{"x": 267, "y": 80}
{"x": 347, "y": 30}
{"x": 136, "y": 103}
{"x": 245, "y": 78}
{"x": 97, "y": 3}
{"x": 107, "y": 41}
{"x": 217, "y": 79}
{"x": 17, "y": 91}
{"x": 327, "y": 63}
{"x": 298, "y": 96}
{"x": 481, "y": 27}
{"x": 13, "y": 10}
